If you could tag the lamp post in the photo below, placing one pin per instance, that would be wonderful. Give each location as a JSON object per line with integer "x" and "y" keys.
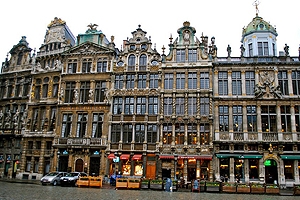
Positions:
{"x": 58, "y": 154}
{"x": 175, "y": 165}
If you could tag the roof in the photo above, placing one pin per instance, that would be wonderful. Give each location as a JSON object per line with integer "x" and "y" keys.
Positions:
{"x": 258, "y": 25}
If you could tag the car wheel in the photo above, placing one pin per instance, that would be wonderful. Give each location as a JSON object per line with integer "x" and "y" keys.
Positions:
{"x": 54, "y": 183}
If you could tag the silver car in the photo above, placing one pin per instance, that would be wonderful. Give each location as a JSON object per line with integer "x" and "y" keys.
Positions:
{"x": 52, "y": 178}
{"x": 71, "y": 178}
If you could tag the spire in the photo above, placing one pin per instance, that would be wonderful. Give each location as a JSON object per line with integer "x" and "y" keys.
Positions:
{"x": 256, "y": 3}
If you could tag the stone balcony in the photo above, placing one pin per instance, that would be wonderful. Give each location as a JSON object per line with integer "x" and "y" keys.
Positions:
{"x": 81, "y": 142}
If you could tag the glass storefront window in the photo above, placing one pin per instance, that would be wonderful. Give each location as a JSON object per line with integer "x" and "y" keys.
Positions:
{"x": 138, "y": 169}
{"x": 224, "y": 168}
{"x": 253, "y": 168}
{"x": 238, "y": 168}
{"x": 289, "y": 169}
{"x": 126, "y": 169}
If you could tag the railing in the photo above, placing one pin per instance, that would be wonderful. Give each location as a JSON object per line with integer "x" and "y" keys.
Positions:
{"x": 270, "y": 137}
{"x": 238, "y": 136}
{"x": 256, "y": 59}
{"x": 83, "y": 141}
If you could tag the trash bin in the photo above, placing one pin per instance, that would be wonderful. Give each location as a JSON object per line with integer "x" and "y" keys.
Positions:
{"x": 168, "y": 187}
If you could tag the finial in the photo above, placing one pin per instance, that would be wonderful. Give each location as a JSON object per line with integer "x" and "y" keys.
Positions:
{"x": 163, "y": 49}
{"x": 154, "y": 45}
{"x": 171, "y": 38}
{"x": 139, "y": 26}
{"x": 256, "y": 3}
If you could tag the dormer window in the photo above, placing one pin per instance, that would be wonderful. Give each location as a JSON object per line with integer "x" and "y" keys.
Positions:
{"x": 132, "y": 47}
{"x": 154, "y": 62}
{"x": 143, "y": 46}
{"x": 263, "y": 49}
{"x": 20, "y": 56}
{"x": 120, "y": 63}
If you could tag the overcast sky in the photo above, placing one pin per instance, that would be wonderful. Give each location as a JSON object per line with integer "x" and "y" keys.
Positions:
{"x": 223, "y": 19}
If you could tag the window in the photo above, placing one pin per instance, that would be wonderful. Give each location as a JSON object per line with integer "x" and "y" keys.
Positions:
{"x": 204, "y": 134}
{"x": 237, "y": 118}
{"x": 192, "y": 106}
{"x": 250, "y": 83}
{"x": 168, "y": 81}
{"x": 129, "y": 105}
{"x": 20, "y": 56}
{"x": 168, "y": 108}
{"x": 84, "y": 92}
{"x": 268, "y": 119}
{"x": 130, "y": 81}
{"x": 179, "y": 106}
{"x": 223, "y": 118}
{"x": 204, "y": 80}
{"x": 81, "y": 125}
{"x": 100, "y": 89}
{"x": 180, "y": 81}
{"x": 192, "y": 80}
{"x": 2, "y": 89}
{"x": 192, "y": 55}
{"x": 285, "y": 118}
{"x": 26, "y": 87}
{"x": 139, "y": 133}
{"x": 251, "y": 119}
{"x": 97, "y": 125}
{"x": 131, "y": 63}
{"x": 101, "y": 65}
{"x": 18, "y": 87}
{"x": 297, "y": 118}
{"x": 117, "y": 109}
{"x": 86, "y": 65}
{"x": 179, "y": 133}
{"x": 115, "y": 133}
{"x": 153, "y": 81}
{"x": 180, "y": 55}
{"x": 142, "y": 80}
{"x": 66, "y": 125}
{"x": 35, "y": 119}
{"x": 283, "y": 82}
{"x": 55, "y": 86}
{"x": 263, "y": 49}
{"x": 192, "y": 134}
{"x": 70, "y": 87}
{"x": 143, "y": 62}
{"x": 250, "y": 47}
{"x": 152, "y": 134}
{"x": 296, "y": 82}
{"x": 127, "y": 133}
{"x": 45, "y": 87}
{"x": 140, "y": 105}
{"x": 289, "y": 169}
{"x": 37, "y": 92}
{"x": 236, "y": 83}
{"x": 167, "y": 133}
{"x": 119, "y": 81}
{"x": 52, "y": 119}
{"x": 72, "y": 66}
{"x": 204, "y": 106}
{"x": 153, "y": 106}
{"x": 223, "y": 83}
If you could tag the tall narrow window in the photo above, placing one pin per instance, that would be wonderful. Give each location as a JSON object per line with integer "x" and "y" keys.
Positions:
{"x": 236, "y": 83}
{"x": 37, "y": 91}
{"x": 55, "y": 86}
{"x": 86, "y": 65}
{"x": 296, "y": 82}
{"x": 179, "y": 105}
{"x": 129, "y": 105}
{"x": 250, "y": 47}
{"x": 142, "y": 80}
{"x": 153, "y": 81}
{"x": 81, "y": 125}
{"x": 167, "y": 133}
{"x": 72, "y": 66}
{"x": 180, "y": 55}
{"x": 192, "y": 80}
{"x": 127, "y": 133}
{"x": 101, "y": 65}
{"x": 119, "y": 79}
{"x": 153, "y": 106}
{"x": 100, "y": 88}
{"x": 204, "y": 80}
{"x": 192, "y": 55}
{"x": 52, "y": 119}
{"x": 26, "y": 87}
{"x": 97, "y": 125}
{"x": 115, "y": 133}
{"x": 66, "y": 125}
{"x": 285, "y": 118}
{"x": 204, "y": 134}
{"x": 237, "y": 118}
{"x": 297, "y": 118}
{"x": 18, "y": 87}
{"x": 45, "y": 87}
{"x": 192, "y": 106}
{"x": 140, "y": 105}
{"x": 283, "y": 82}
{"x": 20, "y": 56}
{"x": 204, "y": 106}
{"x": 143, "y": 62}
{"x": 139, "y": 133}
{"x": 223, "y": 83}
{"x": 70, "y": 87}
{"x": 179, "y": 133}
{"x": 117, "y": 107}
{"x": 223, "y": 118}
{"x": 131, "y": 63}
{"x": 180, "y": 81}
{"x": 251, "y": 119}
{"x": 192, "y": 134}
{"x": 130, "y": 81}
{"x": 168, "y": 81}
{"x": 84, "y": 92}
{"x": 250, "y": 83}
{"x": 268, "y": 119}
{"x": 168, "y": 108}
{"x": 152, "y": 134}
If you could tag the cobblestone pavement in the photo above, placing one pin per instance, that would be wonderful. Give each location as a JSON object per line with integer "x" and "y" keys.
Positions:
{"x": 21, "y": 191}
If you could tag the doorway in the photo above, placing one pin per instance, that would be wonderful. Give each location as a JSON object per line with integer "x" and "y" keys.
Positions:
{"x": 79, "y": 165}
{"x": 166, "y": 173}
{"x": 271, "y": 173}
{"x": 94, "y": 166}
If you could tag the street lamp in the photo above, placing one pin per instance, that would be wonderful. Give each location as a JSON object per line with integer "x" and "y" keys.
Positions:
{"x": 58, "y": 154}
{"x": 175, "y": 165}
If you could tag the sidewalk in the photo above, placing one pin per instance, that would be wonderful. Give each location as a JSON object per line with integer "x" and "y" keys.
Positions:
{"x": 13, "y": 180}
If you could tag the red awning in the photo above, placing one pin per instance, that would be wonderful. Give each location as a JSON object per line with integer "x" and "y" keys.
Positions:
{"x": 111, "y": 156}
{"x": 137, "y": 157}
{"x": 166, "y": 157}
{"x": 201, "y": 157}
{"x": 125, "y": 156}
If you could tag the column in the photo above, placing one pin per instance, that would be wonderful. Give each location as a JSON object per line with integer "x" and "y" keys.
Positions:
{"x": 290, "y": 81}
{"x": 278, "y": 120}
{"x": 231, "y": 170}
{"x": 229, "y": 83}
{"x": 215, "y": 85}
{"x": 243, "y": 83}
{"x": 230, "y": 125}
{"x": 293, "y": 123}
{"x": 296, "y": 171}
{"x": 217, "y": 123}
{"x": 246, "y": 170}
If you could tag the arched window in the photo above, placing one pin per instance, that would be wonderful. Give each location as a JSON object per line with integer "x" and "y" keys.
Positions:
{"x": 20, "y": 56}
{"x": 143, "y": 62}
{"x": 131, "y": 62}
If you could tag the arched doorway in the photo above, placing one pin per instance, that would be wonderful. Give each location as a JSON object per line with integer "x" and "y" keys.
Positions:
{"x": 79, "y": 165}
{"x": 271, "y": 173}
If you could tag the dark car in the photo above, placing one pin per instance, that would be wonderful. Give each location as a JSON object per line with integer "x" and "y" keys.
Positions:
{"x": 71, "y": 178}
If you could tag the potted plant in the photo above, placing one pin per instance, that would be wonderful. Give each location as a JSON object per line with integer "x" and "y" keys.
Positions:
{"x": 243, "y": 188}
{"x": 229, "y": 187}
{"x": 145, "y": 184}
{"x": 212, "y": 186}
{"x": 202, "y": 186}
{"x": 296, "y": 189}
{"x": 156, "y": 184}
{"x": 257, "y": 188}
{"x": 272, "y": 189}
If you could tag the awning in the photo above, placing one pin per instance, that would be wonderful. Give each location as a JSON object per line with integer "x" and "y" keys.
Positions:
{"x": 111, "y": 156}
{"x": 290, "y": 157}
{"x": 125, "y": 156}
{"x": 166, "y": 157}
{"x": 137, "y": 157}
{"x": 241, "y": 156}
{"x": 197, "y": 157}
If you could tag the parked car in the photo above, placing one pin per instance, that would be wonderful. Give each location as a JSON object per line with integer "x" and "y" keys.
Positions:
{"x": 52, "y": 178}
{"x": 71, "y": 178}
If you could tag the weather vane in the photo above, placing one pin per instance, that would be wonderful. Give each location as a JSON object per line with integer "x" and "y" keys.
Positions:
{"x": 256, "y": 3}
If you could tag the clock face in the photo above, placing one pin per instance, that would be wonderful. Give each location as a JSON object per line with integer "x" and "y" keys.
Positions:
{"x": 120, "y": 63}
